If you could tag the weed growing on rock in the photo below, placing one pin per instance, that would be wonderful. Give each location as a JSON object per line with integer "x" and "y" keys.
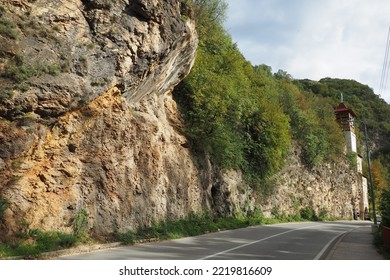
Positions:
{"x": 18, "y": 71}
{"x": 7, "y": 29}
{"x": 80, "y": 225}
{"x": 3, "y": 206}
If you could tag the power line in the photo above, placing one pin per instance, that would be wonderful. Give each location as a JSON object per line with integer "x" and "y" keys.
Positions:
{"x": 388, "y": 64}
{"x": 385, "y": 68}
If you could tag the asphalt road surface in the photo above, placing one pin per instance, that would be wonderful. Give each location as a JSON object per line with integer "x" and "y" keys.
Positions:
{"x": 289, "y": 241}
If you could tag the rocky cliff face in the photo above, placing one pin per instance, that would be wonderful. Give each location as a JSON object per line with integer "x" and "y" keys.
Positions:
{"x": 88, "y": 121}
{"x": 69, "y": 138}
{"x": 67, "y": 53}
{"x": 116, "y": 162}
{"x": 331, "y": 189}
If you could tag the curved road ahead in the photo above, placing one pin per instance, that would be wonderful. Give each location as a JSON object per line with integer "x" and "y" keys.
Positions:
{"x": 289, "y": 241}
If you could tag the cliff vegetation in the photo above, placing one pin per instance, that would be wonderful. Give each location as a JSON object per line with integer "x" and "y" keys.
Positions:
{"x": 246, "y": 117}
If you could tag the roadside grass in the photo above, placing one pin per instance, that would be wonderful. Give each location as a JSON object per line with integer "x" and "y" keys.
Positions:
{"x": 194, "y": 224}
{"x": 34, "y": 242}
{"x": 197, "y": 224}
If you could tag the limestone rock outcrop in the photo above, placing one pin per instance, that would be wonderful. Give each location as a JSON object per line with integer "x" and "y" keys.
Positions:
{"x": 88, "y": 120}
{"x": 329, "y": 189}
{"x": 67, "y": 53}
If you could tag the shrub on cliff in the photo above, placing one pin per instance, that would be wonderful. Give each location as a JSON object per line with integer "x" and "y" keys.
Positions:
{"x": 80, "y": 225}
{"x": 3, "y": 206}
{"x": 308, "y": 213}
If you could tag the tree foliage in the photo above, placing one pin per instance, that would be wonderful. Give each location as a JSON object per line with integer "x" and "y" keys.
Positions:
{"x": 313, "y": 124}
{"x": 245, "y": 117}
{"x": 384, "y": 207}
{"x": 229, "y": 112}
{"x": 208, "y": 15}
{"x": 369, "y": 108}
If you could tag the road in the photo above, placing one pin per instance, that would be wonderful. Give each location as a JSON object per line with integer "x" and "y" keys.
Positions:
{"x": 288, "y": 241}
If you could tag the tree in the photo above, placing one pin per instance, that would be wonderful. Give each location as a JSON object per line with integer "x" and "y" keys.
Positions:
{"x": 380, "y": 177}
{"x": 281, "y": 74}
{"x": 227, "y": 104}
{"x": 384, "y": 207}
{"x": 209, "y": 14}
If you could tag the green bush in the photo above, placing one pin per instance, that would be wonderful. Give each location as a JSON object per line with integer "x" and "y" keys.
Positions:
{"x": 33, "y": 242}
{"x": 5, "y": 94}
{"x": 313, "y": 125}
{"x": 3, "y": 206}
{"x": 276, "y": 213}
{"x": 126, "y": 238}
{"x": 308, "y": 213}
{"x": 352, "y": 158}
{"x": 384, "y": 207}
{"x": 323, "y": 214}
{"x": 255, "y": 217}
{"x": 66, "y": 240}
{"x": 80, "y": 224}
{"x": 7, "y": 29}
{"x": 18, "y": 70}
{"x": 19, "y": 73}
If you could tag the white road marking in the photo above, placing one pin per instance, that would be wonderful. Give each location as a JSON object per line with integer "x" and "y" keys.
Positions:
{"x": 256, "y": 241}
{"x": 327, "y": 246}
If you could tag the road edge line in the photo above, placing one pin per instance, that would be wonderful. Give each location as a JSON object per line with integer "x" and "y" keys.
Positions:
{"x": 330, "y": 247}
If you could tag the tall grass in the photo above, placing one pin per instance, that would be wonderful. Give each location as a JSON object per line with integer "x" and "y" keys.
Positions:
{"x": 192, "y": 225}
{"x": 35, "y": 242}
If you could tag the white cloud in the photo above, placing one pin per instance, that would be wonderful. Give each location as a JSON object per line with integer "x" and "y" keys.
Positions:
{"x": 314, "y": 39}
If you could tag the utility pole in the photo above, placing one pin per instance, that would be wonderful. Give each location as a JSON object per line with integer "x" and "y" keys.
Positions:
{"x": 370, "y": 175}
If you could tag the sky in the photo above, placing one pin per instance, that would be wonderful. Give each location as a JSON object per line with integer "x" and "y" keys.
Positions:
{"x": 314, "y": 39}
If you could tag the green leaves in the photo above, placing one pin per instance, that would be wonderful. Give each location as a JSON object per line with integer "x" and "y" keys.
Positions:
{"x": 3, "y": 206}
{"x": 8, "y": 29}
{"x": 243, "y": 116}
{"x": 229, "y": 112}
{"x": 80, "y": 224}
{"x": 313, "y": 124}
{"x": 384, "y": 207}
{"x": 18, "y": 71}
{"x": 209, "y": 14}
{"x": 268, "y": 139}
{"x": 315, "y": 147}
